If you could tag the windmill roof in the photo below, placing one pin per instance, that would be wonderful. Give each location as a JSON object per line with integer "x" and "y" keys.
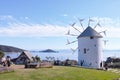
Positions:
{"x": 90, "y": 32}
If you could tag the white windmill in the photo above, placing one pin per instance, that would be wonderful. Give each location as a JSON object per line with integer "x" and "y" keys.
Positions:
{"x": 90, "y": 53}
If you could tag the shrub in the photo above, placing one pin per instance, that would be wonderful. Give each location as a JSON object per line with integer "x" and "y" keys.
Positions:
{"x": 1, "y": 54}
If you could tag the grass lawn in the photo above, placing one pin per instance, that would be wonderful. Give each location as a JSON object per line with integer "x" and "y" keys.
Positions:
{"x": 59, "y": 73}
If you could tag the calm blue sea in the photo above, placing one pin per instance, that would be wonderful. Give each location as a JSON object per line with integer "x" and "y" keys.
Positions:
{"x": 66, "y": 54}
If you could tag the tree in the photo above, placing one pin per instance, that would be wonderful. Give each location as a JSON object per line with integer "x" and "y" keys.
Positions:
{"x": 1, "y": 54}
{"x": 109, "y": 60}
{"x": 37, "y": 58}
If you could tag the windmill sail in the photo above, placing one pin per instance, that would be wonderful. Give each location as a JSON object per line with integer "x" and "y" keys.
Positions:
{"x": 76, "y": 29}
{"x": 68, "y": 42}
{"x": 73, "y": 35}
{"x": 98, "y": 24}
{"x": 74, "y": 50}
{"x": 68, "y": 33}
{"x": 104, "y": 32}
{"x": 80, "y": 20}
{"x": 73, "y": 24}
{"x": 105, "y": 41}
{"x": 90, "y": 20}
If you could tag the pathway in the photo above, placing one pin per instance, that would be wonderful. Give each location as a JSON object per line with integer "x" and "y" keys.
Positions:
{"x": 115, "y": 70}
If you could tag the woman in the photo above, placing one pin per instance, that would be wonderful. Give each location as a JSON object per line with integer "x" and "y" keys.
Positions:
{"x": 3, "y": 60}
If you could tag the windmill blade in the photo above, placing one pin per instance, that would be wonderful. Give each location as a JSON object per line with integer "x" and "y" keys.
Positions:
{"x": 76, "y": 29}
{"x": 68, "y": 42}
{"x": 98, "y": 24}
{"x": 104, "y": 32}
{"x": 68, "y": 33}
{"x": 74, "y": 50}
{"x": 105, "y": 41}
{"x": 73, "y": 35}
{"x": 90, "y": 20}
{"x": 73, "y": 24}
{"x": 80, "y": 20}
{"x": 73, "y": 41}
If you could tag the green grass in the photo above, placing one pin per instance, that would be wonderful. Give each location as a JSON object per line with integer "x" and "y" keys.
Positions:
{"x": 59, "y": 73}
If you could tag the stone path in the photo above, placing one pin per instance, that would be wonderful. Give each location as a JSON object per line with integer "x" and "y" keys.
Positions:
{"x": 6, "y": 69}
{"x": 115, "y": 70}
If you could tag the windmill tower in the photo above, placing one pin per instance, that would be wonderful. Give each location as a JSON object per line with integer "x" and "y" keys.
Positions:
{"x": 90, "y": 53}
{"x": 90, "y": 48}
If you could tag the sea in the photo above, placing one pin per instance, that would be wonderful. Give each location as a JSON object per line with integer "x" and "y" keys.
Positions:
{"x": 63, "y": 54}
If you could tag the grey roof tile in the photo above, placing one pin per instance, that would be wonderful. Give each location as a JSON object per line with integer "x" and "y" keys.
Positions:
{"x": 90, "y": 32}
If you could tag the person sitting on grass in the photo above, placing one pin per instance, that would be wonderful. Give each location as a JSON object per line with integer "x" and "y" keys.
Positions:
{"x": 106, "y": 66}
{"x": 8, "y": 60}
{"x": 3, "y": 60}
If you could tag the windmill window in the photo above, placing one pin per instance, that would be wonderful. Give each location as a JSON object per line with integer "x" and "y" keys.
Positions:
{"x": 85, "y": 50}
{"x": 91, "y": 37}
{"x": 95, "y": 45}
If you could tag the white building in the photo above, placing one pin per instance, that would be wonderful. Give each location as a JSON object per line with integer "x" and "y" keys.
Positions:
{"x": 90, "y": 48}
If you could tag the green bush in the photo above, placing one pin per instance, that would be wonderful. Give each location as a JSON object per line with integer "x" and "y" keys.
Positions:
{"x": 1, "y": 54}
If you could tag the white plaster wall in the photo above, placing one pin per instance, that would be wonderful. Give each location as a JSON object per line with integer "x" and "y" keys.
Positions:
{"x": 93, "y": 56}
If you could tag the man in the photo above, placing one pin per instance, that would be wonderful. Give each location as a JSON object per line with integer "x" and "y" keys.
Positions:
{"x": 8, "y": 59}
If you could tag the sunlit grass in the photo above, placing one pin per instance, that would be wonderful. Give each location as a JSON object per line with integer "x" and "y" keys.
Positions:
{"x": 59, "y": 73}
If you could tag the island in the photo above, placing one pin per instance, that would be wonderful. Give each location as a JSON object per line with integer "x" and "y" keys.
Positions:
{"x": 5, "y": 48}
{"x": 49, "y": 51}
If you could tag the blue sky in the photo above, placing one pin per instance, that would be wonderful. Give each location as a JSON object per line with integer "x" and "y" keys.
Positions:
{"x": 42, "y": 24}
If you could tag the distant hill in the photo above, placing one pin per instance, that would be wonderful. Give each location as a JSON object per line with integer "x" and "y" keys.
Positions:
{"x": 5, "y": 48}
{"x": 49, "y": 51}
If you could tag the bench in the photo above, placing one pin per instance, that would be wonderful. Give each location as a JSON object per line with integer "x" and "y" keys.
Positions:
{"x": 31, "y": 65}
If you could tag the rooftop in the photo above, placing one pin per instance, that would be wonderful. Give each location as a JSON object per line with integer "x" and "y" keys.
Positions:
{"x": 90, "y": 32}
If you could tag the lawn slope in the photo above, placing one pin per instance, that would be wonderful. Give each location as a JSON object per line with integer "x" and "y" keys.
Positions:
{"x": 59, "y": 73}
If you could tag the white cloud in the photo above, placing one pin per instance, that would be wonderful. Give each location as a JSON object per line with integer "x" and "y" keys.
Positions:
{"x": 112, "y": 26}
{"x": 32, "y": 30}
{"x": 65, "y": 15}
{"x": 26, "y": 17}
{"x": 7, "y": 17}
{"x": 17, "y": 28}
